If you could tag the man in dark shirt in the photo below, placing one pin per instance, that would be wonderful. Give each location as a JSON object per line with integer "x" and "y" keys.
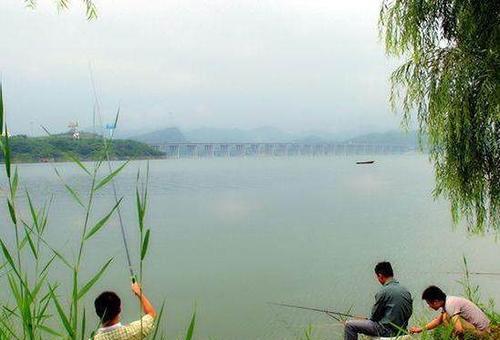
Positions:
{"x": 391, "y": 311}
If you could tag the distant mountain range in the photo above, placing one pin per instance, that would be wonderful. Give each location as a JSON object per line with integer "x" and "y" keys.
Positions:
{"x": 270, "y": 134}
{"x": 215, "y": 135}
{"x": 167, "y": 135}
{"x": 391, "y": 137}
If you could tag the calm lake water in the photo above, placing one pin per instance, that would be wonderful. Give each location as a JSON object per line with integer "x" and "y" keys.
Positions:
{"x": 231, "y": 235}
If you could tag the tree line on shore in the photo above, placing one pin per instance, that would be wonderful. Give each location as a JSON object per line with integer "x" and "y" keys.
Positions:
{"x": 90, "y": 147}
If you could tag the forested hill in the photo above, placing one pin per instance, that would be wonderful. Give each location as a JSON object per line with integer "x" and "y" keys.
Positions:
{"x": 89, "y": 147}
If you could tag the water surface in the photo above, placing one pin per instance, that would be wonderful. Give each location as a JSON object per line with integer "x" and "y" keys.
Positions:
{"x": 230, "y": 235}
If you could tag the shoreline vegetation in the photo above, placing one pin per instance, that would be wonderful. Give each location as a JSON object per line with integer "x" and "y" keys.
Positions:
{"x": 89, "y": 147}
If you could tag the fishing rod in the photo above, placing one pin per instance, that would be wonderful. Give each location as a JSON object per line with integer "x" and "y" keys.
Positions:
{"x": 113, "y": 185}
{"x": 474, "y": 273}
{"x": 460, "y": 273}
{"x": 333, "y": 314}
{"x": 118, "y": 210}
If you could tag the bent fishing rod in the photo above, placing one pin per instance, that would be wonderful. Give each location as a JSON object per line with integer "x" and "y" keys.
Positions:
{"x": 333, "y": 314}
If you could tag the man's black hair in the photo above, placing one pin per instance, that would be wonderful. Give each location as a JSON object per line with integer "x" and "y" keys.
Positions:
{"x": 384, "y": 268}
{"x": 107, "y": 306}
{"x": 433, "y": 293}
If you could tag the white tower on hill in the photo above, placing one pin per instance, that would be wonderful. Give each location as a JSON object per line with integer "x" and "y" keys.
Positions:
{"x": 73, "y": 129}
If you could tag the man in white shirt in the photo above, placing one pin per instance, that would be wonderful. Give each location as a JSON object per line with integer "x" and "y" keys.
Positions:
{"x": 108, "y": 308}
{"x": 462, "y": 314}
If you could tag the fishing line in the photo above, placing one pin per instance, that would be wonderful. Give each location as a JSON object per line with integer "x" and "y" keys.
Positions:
{"x": 333, "y": 314}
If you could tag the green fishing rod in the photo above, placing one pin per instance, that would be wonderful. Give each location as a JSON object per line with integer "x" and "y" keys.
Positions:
{"x": 333, "y": 314}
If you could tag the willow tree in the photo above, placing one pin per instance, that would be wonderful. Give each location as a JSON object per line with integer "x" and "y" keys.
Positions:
{"x": 90, "y": 8}
{"x": 449, "y": 80}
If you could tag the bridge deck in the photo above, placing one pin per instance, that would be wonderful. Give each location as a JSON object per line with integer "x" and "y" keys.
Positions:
{"x": 220, "y": 149}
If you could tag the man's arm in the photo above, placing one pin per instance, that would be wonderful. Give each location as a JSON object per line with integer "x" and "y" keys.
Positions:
{"x": 431, "y": 325}
{"x": 378, "y": 308}
{"x": 147, "y": 307}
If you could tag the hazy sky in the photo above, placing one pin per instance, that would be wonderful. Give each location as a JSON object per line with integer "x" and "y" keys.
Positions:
{"x": 293, "y": 64}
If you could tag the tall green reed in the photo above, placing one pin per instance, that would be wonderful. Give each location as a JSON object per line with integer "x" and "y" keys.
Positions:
{"x": 26, "y": 315}
{"x": 39, "y": 306}
{"x": 32, "y": 289}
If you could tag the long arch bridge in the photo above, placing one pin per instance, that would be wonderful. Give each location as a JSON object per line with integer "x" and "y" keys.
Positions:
{"x": 194, "y": 150}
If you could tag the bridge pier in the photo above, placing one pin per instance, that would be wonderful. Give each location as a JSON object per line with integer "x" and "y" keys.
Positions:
{"x": 194, "y": 150}
{"x": 239, "y": 150}
{"x": 224, "y": 150}
{"x": 209, "y": 150}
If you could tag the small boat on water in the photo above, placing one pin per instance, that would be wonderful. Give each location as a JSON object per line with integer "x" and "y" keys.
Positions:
{"x": 365, "y": 162}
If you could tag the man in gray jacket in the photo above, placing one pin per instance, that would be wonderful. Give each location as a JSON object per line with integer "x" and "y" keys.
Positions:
{"x": 390, "y": 313}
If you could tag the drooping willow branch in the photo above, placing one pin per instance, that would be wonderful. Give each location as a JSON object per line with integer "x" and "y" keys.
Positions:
{"x": 450, "y": 81}
{"x": 90, "y": 7}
